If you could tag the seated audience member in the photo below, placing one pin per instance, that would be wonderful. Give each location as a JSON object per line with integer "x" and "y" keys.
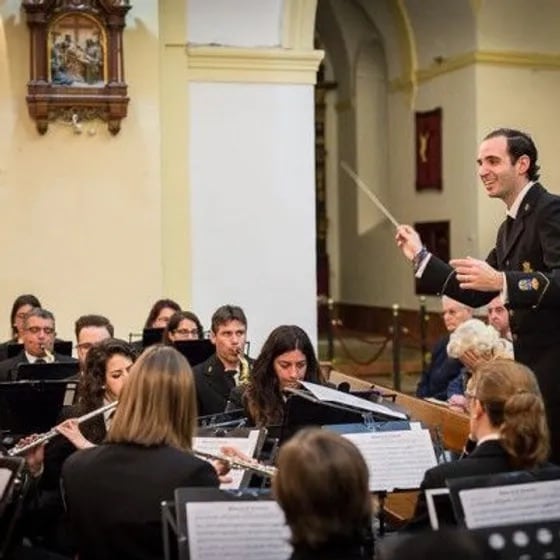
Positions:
{"x": 287, "y": 357}
{"x": 39, "y": 332}
{"x": 160, "y": 313}
{"x": 90, "y": 329}
{"x": 113, "y": 492}
{"x": 473, "y": 342}
{"x": 21, "y": 307}
{"x": 228, "y": 367}
{"x": 322, "y": 485}
{"x": 507, "y": 424}
{"x": 443, "y": 369}
{"x": 183, "y": 325}
{"x": 498, "y": 317}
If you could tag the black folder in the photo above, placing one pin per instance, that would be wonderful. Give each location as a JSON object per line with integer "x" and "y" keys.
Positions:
{"x": 28, "y": 407}
{"x": 54, "y": 370}
{"x": 151, "y": 336}
{"x": 60, "y": 347}
{"x": 196, "y": 351}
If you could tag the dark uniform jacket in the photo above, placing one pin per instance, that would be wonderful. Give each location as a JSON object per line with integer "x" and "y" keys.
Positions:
{"x": 530, "y": 257}
{"x": 8, "y": 368}
{"x": 114, "y": 493}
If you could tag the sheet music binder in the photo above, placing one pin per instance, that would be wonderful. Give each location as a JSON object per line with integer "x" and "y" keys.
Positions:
{"x": 151, "y": 336}
{"x": 196, "y": 351}
{"x": 536, "y": 479}
{"x": 174, "y": 516}
{"x": 28, "y": 407}
{"x": 48, "y": 371}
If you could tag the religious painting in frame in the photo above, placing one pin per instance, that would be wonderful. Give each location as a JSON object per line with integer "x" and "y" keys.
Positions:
{"x": 76, "y": 62}
{"x": 428, "y": 145}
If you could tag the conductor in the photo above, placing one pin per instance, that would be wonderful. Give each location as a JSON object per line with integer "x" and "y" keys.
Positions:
{"x": 523, "y": 268}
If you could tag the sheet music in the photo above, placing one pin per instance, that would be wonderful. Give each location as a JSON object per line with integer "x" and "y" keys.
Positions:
{"x": 5, "y": 475}
{"x": 511, "y": 504}
{"x": 326, "y": 394}
{"x": 396, "y": 460}
{"x": 237, "y": 530}
{"x": 246, "y": 445}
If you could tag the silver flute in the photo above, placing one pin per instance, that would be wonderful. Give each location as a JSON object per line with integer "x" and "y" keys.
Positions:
{"x": 47, "y": 436}
{"x": 259, "y": 468}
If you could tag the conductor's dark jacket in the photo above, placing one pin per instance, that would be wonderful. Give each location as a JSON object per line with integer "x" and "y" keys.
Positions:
{"x": 114, "y": 493}
{"x": 530, "y": 257}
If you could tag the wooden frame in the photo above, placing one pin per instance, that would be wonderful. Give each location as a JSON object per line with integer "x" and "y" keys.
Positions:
{"x": 76, "y": 61}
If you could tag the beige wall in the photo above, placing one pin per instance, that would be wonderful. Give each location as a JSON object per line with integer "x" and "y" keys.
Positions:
{"x": 80, "y": 215}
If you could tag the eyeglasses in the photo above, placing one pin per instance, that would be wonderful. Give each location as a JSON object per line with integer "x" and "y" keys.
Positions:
{"x": 37, "y": 330}
{"x": 186, "y": 332}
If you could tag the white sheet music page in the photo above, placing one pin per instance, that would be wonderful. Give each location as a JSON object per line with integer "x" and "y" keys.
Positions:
{"x": 237, "y": 530}
{"x": 511, "y": 504}
{"x": 245, "y": 445}
{"x": 326, "y": 394}
{"x": 5, "y": 475}
{"x": 396, "y": 460}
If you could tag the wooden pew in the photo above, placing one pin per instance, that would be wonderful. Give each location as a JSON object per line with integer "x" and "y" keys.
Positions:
{"x": 452, "y": 426}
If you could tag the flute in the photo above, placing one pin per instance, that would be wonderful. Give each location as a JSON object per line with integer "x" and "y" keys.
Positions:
{"x": 258, "y": 468}
{"x": 47, "y": 436}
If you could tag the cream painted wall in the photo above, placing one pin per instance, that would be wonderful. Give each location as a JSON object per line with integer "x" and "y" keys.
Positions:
{"x": 80, "y": 219}
{"x": 251, "y": 23}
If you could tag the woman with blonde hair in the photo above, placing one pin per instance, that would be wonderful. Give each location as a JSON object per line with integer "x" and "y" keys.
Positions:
{"x": 114, "y": 491}
{"x": 322, "y": 485}
{"x": 507, "y": 423}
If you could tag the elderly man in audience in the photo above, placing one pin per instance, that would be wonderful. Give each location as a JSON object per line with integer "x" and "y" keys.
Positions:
{"x": 443, "y": 369}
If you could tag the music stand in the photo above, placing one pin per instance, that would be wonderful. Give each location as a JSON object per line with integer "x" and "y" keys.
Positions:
{"x": 60, "y": 347}
{"x": 196, "y": 351}
{"x": 54, "y": 370}
{"x": 151, "y": 336}
{"x": 506, "y": 498}
{"x": 12, "y": 495}
{"x": 28, "y": 407}
{"x": 230, "y": 419}
{"x": 248, "y": 540}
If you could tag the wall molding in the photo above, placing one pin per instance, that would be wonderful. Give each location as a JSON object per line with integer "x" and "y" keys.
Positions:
{"x": 229, "y": 64}
{"x": 298, "y": 24}
{"x": 539, "y": 61}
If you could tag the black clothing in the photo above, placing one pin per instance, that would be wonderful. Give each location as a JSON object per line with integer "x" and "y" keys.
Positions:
{"x": 8, "y": 368}
{"x": 530, "y": 258}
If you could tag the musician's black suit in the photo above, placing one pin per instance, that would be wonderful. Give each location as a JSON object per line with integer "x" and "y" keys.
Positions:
{"x": 213, "y": 385}
{"x": 8, "y": 368}
{"x": 113, "y": 496}
{"x": 530, "y": 258}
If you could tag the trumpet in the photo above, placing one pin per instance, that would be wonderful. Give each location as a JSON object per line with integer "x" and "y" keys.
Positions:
{"x": 258, "y": 468}
{"x": 47, "y": 436}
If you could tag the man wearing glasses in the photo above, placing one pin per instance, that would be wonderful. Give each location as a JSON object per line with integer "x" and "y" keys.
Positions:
{"x": 38, "y": 340}
{"x": 90, "y": 329}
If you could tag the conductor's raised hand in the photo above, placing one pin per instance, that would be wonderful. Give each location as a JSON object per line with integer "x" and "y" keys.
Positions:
{"x": 408, "y": 240}
{"x": 474, "y": 274}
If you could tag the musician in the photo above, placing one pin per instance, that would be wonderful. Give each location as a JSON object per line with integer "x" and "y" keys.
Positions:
{"x": 221, "y": 372}
{"x": 160, "y": 313}
{"x": 21, "y": 307}
{"x": 90, "y": 329}
{"x": 287, "y": 358}
{"x": 114, "y": 491}
{"x": 183, "y": 325}
{"x": 322, "y": 485}
{"x": 507, "y": 422}
{"x": 39, "y": 333}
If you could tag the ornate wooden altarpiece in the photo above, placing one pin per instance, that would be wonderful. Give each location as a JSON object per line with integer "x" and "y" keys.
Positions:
{"x": 76, "y": 61}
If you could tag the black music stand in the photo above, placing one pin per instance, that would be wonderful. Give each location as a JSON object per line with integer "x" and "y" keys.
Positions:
{"x": 28, "y": 407}
{"x": 196, "y": 351}
{"x": 174, "y": 520}
{"x": 230, "y": 419}
{"x": 48, "y": 371}
{"x": 12, "y": 495}
{"x": 60, "y": 347}
{"x": 151, "y": 336}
